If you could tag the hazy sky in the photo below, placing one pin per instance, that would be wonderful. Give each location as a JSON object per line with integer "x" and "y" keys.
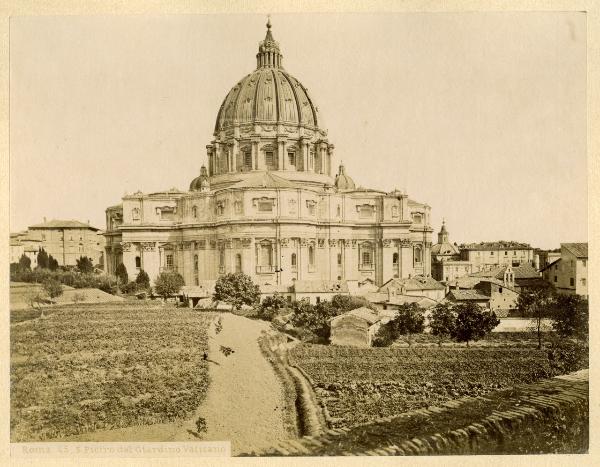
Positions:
{"x": 480, "y": 115}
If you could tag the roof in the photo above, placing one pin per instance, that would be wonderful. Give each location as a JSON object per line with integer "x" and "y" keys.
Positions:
{"x": 63, "y": 224}
{"x": 263, "y": 180}
{"x": 414, "y": 283}
{"x": 363, "y": 313}
{"x": 579, "y": 250}
{"x": 383, "y": 297}
{"x": 549, "y": 265}
{"x": 524, "y": 271}
{"x": 500, "y": 245}
{"x": 323, "y": 286}
{"x": 467, "y": 295}
{"x": 445, "y": 248}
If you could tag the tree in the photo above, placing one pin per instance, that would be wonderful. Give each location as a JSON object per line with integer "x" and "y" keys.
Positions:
{"x": 409, "y": 320}
{"x": 53, "y": 288}
{"x": 168, "y": 283}
{"x": 472, "y": 322}
{"x": 142, "y": 280}
{"x": 85, "y": 265}
{"x": 442, "y": 321}
{"x": 236, "y": 289}
{"x": 24, "y": 262}
{"x": 571, "y": 314}
{"x": 270, "y": 306}
{"x": 42, "y": 259}
{"x": 345, "y": 303}
{"x": 52, "y": 263}
{"x": 121, "y": 273}
{"x": 535, "y": 304}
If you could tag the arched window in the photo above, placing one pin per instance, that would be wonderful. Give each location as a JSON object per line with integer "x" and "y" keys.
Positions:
{"x": 339, "y": 211}
{"x": 196, "y": 263}
{"x": 294, "y": 260}
{"x": 311, "y": 256}
{"x": 138, "y": 262}
{"x": 418, "y": 254}
{"x": 194, "y": 212}
{"x": 238, "y": 263}
{"x": 395, "y": 259}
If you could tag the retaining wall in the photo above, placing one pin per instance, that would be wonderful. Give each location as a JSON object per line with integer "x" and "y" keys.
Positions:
{"x": 531, "y": 420}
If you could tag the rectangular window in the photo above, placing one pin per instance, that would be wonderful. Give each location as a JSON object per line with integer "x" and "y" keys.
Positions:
{"x": 366, "y": 211}
{"x": 269, "y": 160}
{"x": 265, "y": 206}
{"x": 505, "y": 253}
{"x": 169, "y": 261}
{"x": 491, "y": 253}
{"x": 366, "y": 258}
{"x": 292, "y": 158}
{"x": 583, "y": 281}
{"x": 247, "y": 160}
{"x": 339, "y": 259}
{"x": 572, "y": 281}
{"x": 555, "y": 278}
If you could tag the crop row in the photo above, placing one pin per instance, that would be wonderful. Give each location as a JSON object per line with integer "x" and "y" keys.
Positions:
{"x": 84, "y": 369}
{"x": 357, "y": 385}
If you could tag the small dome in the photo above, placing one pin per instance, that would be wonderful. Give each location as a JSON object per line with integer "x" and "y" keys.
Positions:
{"x": 343, "y": 181}
{"x": 201, "y": 182}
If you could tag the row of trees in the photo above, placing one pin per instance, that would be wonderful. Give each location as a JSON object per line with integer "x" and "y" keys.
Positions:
{"x": 463, "y": 322}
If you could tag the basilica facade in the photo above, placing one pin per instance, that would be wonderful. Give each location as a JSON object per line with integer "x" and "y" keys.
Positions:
{"x": 270, "y": 202}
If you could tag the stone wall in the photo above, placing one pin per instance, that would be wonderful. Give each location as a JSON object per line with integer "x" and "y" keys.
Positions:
{"x": 520, "y": 421}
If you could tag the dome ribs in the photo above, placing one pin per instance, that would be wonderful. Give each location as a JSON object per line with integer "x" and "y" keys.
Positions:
{"x": 277, "y": 103}
{"x": 298, "y": 109}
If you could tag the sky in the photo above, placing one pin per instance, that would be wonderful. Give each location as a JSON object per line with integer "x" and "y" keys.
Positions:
{"x": 480, "y": 115}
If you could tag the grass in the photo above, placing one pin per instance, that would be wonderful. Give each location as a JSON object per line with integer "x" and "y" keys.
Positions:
{"x": 91, "y": 366}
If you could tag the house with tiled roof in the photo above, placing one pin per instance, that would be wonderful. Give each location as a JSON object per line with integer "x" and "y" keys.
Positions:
{"x": 488, "y": 255}
{"x": 66, "y": 240}
{"x": 420, "y": 286}
{"x": 569, "y": 273}
{"x": 356, "y": 327}
{"x": 525, "y": 276}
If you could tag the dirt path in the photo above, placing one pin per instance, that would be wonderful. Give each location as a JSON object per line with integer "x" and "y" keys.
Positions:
{"x": 244, "y": 403}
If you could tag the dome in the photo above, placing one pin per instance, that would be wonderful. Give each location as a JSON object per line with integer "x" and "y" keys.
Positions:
{"x": 343, "y": 181}
{"x": 268, "y": 95}
{"x": 201, "y": 182}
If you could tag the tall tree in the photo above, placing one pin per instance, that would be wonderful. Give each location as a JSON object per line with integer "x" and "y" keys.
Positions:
{"x": 236, "y": 289}
{"x": 571, "y": 316}
{"x": 42, "y": 259}
{"x": 442, "y": 321}
{"x": 121, "y": 273}
{"x": 25, "y": 262}
{"x": 409, "y": 320}
{"x": 142, "y": 280}
{"x": 52, "y": 263}
{"x": 535, "y": 304}
{"x": 85, "y": 265}
{"x": 472, "y": 322}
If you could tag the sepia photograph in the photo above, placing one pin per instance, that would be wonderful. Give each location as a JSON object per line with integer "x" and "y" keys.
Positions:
{"x": 299, "y": 234}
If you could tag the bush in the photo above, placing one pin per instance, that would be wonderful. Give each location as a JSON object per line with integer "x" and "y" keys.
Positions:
{"x": 271, "y": 306}
{"x": 168, "y": 284}
{"x": 344, "y": 303}
{"x": 409, "y": 320}
{"x": 84, "y": 264}
{"x": 566, "y": 356}
{"x": 236, "y": 289}
{"x": 53, "y": 288}
{"x": 129, "y": 288}
{"x": 571, "y": 315}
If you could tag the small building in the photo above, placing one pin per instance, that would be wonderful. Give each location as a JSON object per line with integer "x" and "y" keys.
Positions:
{"x": 385, "y": 301}
{"x": 568, "y": 274}
{"x": 316, "y": 291}
{"x": 355, "y": 328}
{"x": 499, "y": 296}
{"x": 420, "y": 286}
